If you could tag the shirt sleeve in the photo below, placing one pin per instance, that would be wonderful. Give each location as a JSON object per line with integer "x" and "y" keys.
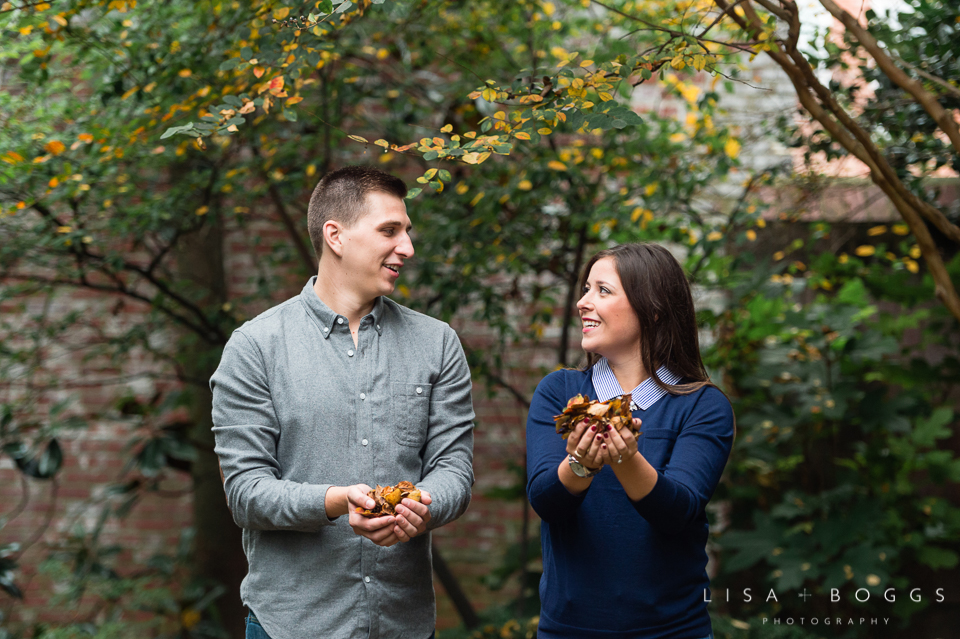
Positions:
{"x": 246, "y": 431}
{"x": 548, "y": 496}
{"x": 691, "y": 476}
{"x": 448, "y": 451}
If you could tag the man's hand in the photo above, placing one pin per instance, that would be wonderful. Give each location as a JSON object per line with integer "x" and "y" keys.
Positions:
{"x": 412, "y": 517}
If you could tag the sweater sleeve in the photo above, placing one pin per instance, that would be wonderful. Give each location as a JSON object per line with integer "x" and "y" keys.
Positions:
{"x": 448, "y": 452}
{"x": 699, "y": 455}
{"x": 246, "y": 431}
{"x": 548, "y": 496}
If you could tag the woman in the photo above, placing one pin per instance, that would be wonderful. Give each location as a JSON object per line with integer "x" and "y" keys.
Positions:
{"x": 624, "y": 525}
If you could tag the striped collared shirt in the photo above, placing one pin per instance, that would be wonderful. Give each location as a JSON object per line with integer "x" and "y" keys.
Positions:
{"x": 643, "y": 396}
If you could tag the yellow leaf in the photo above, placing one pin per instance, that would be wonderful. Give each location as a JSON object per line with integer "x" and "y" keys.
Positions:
{"x": 731, "y": 148}
{"x": 606, "y": 97}
{"x": 281, "y": 13}
{"x": 912, "y": 266}
{"x": 557, "y": 166}
{"x": 357, "y": 138}
{"x": 258, "y": 71}
{"x": 877, "y": 230}
{"x": 429, "y": 174}
{"x": 651, "y": 188}
{"x": 525, "y": 185}
{"x": 64, "y": 229}
{"x": 520, "y": 135}
{"x": 752, "y": 235}
{"x": 714, "y": 236}
{"x": 248, "y": 107}
{"x": 544, "y": 131}
{"x": 294, "y": 100}
{"x": 900, "y": 229}
{"x": 586, "y": 63}
{"x": 470, "y": 134}
{"x": 477, "y": 198}
{"x": 53, "y": 183}
{"x": 59, "y": 19}
{"x": 232, "y": 128}
{"x": 26, "y": 30}
{"x": 55, "y": 147}
{"x": 203, "y": 210}
{"x": 184, "y": 73}
{"x": 129, "y": 92}
{"x": 914, "y": 251}
{"x": 12, "y": 157}
{"x": 865, "y": 250}
{"x": 447, "y": 128}
{"x": 489, "y": 94}
{"x": 150, "y": 87}
{"x": 439, "y": 141}
{"x": 382, "y": 142}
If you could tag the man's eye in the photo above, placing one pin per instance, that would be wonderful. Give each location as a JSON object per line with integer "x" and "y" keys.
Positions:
{"x": 388, "y": 231}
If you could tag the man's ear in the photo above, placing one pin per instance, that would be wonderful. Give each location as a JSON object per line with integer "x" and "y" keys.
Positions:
{"x": 333, "y": 237}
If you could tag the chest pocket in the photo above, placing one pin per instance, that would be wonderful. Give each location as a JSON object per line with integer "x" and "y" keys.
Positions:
{"x": 656, "y": 446}
{"x": 411, "y": 413}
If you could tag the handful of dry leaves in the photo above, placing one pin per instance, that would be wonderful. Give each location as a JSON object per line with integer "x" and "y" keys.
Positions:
{"x": 615, "y": 412}
{"x": 387, "y": 498}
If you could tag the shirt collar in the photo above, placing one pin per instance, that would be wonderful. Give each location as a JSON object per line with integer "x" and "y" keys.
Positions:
{"x": 327, "y": 320}
{"x": 645, "y": 395}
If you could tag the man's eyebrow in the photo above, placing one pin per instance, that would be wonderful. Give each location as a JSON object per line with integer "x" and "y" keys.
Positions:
{"x": 395, "y": 223}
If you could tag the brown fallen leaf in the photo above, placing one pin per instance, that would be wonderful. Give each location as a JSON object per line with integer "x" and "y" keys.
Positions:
{"x": 387, "y": 497}
{"x": 615, "y": 412}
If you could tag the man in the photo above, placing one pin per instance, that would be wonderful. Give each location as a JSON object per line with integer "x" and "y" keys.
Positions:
{"x": 325, "y": 395}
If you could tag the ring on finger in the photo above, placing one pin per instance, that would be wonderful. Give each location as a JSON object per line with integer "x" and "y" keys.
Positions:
{"x": 620, "y": 459}
{"x": 577, "y": 454}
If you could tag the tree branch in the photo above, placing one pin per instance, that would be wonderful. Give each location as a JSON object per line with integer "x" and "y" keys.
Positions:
{"x": 929, "y": 103}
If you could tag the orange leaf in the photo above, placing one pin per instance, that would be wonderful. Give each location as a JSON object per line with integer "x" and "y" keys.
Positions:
{"x": 85, "y": 137}
{"x": 294, "y": 100}
{"x": 258, "y": 71}
{"x": 276, "y": 83}
{"x": 54, "y": 146}
{"x": 249, "y": 107}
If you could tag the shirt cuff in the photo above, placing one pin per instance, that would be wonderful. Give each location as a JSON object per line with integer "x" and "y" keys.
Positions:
{"x": 659, "y": 500}
{"x": 556, "y": 494}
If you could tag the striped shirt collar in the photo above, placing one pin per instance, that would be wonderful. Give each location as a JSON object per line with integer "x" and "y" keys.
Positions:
{"x": 645, "y": 395}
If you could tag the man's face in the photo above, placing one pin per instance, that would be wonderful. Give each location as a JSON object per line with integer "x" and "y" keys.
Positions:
{"x": 376, "y": 246}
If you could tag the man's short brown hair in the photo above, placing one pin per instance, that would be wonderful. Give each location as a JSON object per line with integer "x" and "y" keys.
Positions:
{"x": 341, "y": 196}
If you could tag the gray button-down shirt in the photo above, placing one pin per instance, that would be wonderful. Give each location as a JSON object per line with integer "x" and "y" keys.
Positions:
{"x": 297, "y": 408}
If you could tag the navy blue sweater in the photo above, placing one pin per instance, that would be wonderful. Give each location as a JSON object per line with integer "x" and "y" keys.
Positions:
{"x": 612, "y": 567}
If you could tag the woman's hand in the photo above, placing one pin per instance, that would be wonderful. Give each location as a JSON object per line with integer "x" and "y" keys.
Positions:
{"x": 619, "y": 446}
{"x": 585, "y": 443}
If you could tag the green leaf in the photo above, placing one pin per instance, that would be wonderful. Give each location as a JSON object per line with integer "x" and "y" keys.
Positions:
{"x": 230, "y": 63}
{"x": 412, "y": 193}
{"x": 937, "y": 558}
{"x": 289, "y": 114}
{"x": 444, "y": 175}
{"x": 325, "y": 6}
{"x": 928, "y": 431}
{"x": 430, "y": 155}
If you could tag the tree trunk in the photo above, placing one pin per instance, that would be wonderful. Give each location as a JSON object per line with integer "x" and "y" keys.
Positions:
{"x": 217, "y": 550}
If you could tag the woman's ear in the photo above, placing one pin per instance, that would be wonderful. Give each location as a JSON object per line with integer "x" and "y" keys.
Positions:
{"x": 333, "y": 237}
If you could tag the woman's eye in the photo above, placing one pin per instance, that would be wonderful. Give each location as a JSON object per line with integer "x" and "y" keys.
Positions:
{"x": 604, "y": 290}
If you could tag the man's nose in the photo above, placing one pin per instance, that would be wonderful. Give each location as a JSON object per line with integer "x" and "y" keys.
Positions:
{"x": 405, "y": 248}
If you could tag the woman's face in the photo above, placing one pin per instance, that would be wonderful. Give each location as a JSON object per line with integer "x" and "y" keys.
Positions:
{"x": 610, "y": 327}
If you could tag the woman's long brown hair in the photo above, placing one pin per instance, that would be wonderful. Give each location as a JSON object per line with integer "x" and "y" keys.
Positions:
{"x": 659, "y": 293}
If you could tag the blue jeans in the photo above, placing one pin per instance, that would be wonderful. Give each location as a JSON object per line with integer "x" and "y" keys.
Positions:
{"x": 256, "y": 631}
